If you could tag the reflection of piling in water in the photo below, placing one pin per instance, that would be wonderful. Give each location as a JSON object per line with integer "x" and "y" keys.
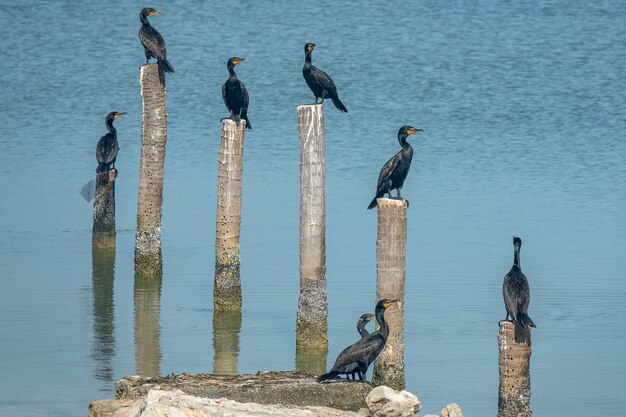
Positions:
{"x": 103, "y": 349}
{"x": 147, "y": 298}
{"x": 311, "y": 325}
{"x": 103, "y": 230}
{"x": 227, "y": 283}
{"x": 514, "y": 369}
{"x": 390, "y": 279}
{"x": 148, "y": 259}
{"x": 311, "y": 360}
{"x": 226, "y": 328}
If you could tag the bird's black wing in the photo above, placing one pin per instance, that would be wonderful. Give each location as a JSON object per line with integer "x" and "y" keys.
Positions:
{"x": 224, "y": 98}
{"x": 101, "y": 149}
{"x": 360, "y": 351}
{"x": 524, "y": 294}
{"x": 244, "y": 94}
{"x": 387, "y": 170}
{"x": 324, "y": 81}
{"x": 152, "y": 40}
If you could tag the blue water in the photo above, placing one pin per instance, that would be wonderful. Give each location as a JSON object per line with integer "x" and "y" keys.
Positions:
{"x": 523, "y": 110}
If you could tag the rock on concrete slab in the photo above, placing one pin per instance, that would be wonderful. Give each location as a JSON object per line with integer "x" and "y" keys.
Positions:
{"x": 159, "y": 403}
{"x": 292, "y": 388}
{"x": 387, "y": 402}
{"x": 109, "y": 408}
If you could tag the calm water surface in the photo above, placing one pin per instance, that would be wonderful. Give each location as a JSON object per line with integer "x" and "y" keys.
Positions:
{"x": 523, "y": 111}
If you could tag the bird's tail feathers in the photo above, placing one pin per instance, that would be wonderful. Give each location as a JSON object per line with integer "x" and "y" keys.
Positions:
{"x": 523, "y": 320}
{"x": 339, "y": 104}
{"x": 328, "y": 376}
{"x": 165, "y": 65}
{"x": 373, "y": 203}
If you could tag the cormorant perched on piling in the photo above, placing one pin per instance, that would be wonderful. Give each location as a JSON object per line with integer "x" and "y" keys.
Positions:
{"x": 516, "y": 291}
{"x": 235, "y": 94}
{"x": 358, "y": 357}
{"x": 318, "y": 81}
{"x": 152, "y": 41}
{"x": 107, "y": 147}
{"x": 395, "y": 170}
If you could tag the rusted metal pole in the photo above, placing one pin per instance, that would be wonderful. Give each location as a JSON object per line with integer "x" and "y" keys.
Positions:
{"x": 515, "y": 349}
{"x": 103, "y": 230}
{"x": 148, "y": 260}
{"x": 227, "y": 282}
{"x": 311, "y": 324}
{"x": 390, "y": 279}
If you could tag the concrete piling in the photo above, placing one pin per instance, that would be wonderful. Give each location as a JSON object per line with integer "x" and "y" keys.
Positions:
{"x": 103, "y": 230}
{"x": 390, "y": 280}
{"x": 515, "y": 348}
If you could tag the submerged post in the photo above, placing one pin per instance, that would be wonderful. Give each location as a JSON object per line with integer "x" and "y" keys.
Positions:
{"x": 390, "y": 279}
{"x": 514, "y": 368}
{"x": 226, "y": 329}
{"x": 148, "y": 259}
{"x": 103, "y": 230}
{"x": 311, "y": 324}
{"x": 227, "y": 283}
{"x": 147, "y": 300}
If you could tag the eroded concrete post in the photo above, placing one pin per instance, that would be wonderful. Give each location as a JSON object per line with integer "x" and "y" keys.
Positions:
{"x": 311, "y": 324}
{"x": 514, "y": 368}
{"x": 227, "y": 282}
{"x": 148, "y": 260}
{"x": 103, "y": 230}
{"x": 390, "y": 279}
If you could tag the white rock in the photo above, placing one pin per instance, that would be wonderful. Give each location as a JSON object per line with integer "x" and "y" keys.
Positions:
{"x": 451, "y": 410}
{"x": 387, "y": 402}
{"x": 178, "y": 404}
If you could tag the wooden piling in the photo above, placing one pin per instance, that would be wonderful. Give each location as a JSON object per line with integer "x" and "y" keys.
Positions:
{"x": 148, "y": 259}
{"x": 311, "y": 323}
{"x": 103, "y": 230}
{"x": 390, "y": 279}
{"x": 147, "y": 303}
{"x": 227, "y": 282}
{"x": 514, "y": 368}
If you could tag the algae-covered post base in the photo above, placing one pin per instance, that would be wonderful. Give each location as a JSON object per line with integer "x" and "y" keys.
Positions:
{"x": 147, "y": 300}
{"x": 514, "y": 368}
{"x": 103, "y": 231}
{"x": 311, "y": 323}
{"x": 148, "y": 260}
{"x": 227, "y": 282}
{"x": 390, "y": 279}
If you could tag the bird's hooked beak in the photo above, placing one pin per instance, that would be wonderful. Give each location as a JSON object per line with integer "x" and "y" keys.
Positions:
{"x": 155, "y": 13}
{"x": 117, "y": 115}
{"x": 369, "y": 317}
{"x": 412, "y": 131}
{"x": 389, "y": 303}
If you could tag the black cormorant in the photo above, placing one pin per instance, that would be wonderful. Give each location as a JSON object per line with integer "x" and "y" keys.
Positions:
{"x": 235, "y": 94}
{"x": 357, "y": 358}
{"x": 516, "y": 291}
{"x": 152, "y": 41}
{"x": 360, "y": 327}
{"x": 318, "y": 81}
{"x": 107, "y": 147}
{"x": 395, "y": 170}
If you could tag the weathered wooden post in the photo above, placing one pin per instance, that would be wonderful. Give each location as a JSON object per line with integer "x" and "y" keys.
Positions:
{"x": 390, "y": 279}
{"x": 311, "y": 324}
{"x": 227, "y": 282}
{"x": 148, "y": 260}
{"x": 226, "y": 329}
{"x": 102, "y": 279}
{"x": 147, "y": 299}
{"x": 514, "y": 369}
{"x": 103, "y": 230}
